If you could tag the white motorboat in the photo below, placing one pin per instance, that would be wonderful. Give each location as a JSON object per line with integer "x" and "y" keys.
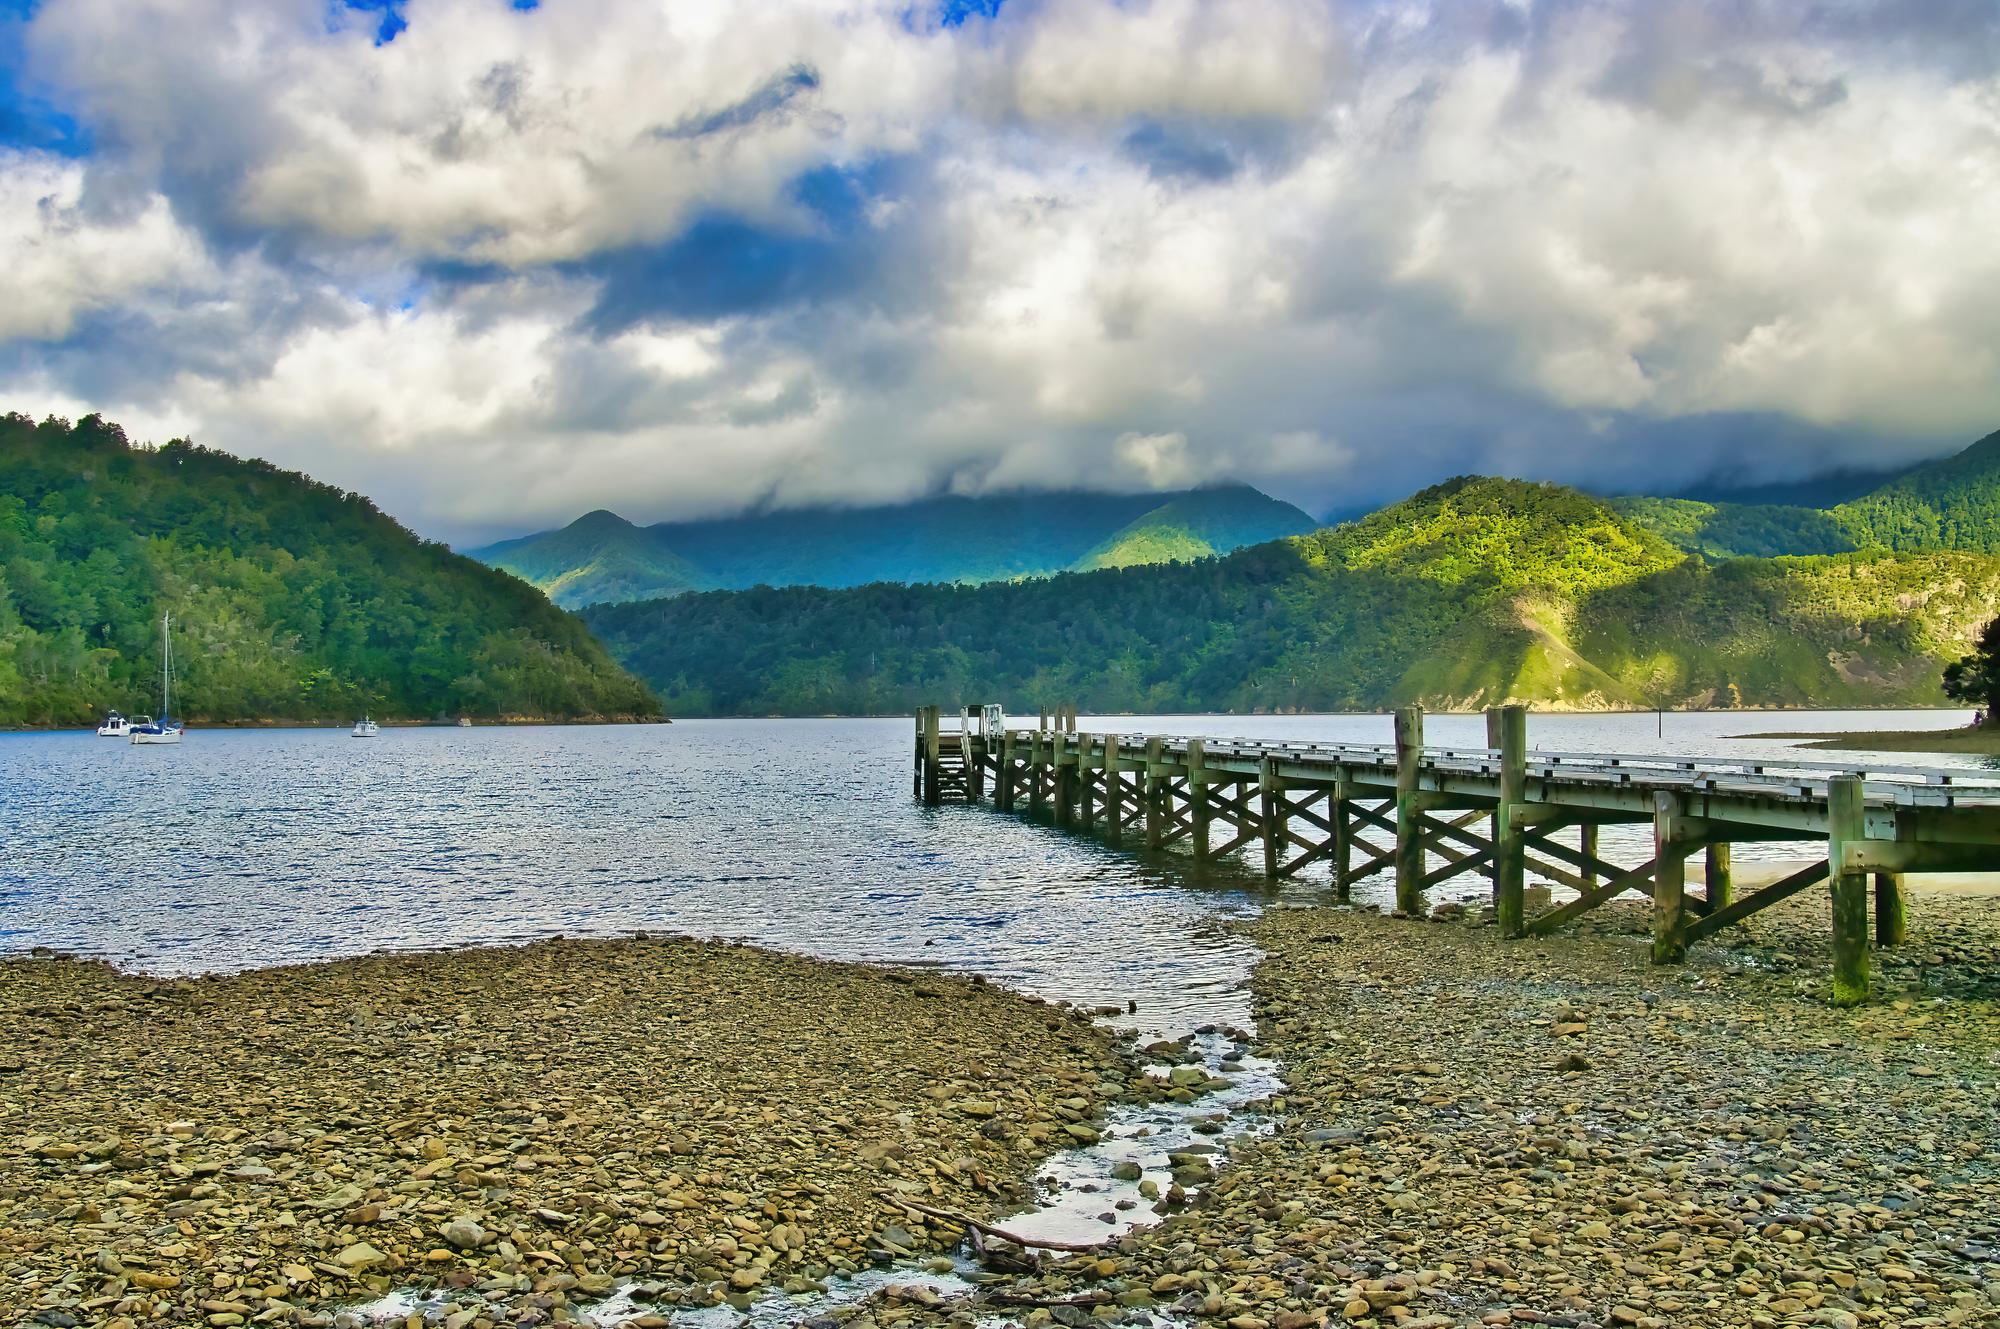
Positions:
{"x": 114, "y": 726}
{"x": 164, "y": 730}
{"x": 366, "y": 728}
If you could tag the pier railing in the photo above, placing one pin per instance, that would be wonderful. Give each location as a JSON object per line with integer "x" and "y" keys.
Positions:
{"x": 1431, "y": 814}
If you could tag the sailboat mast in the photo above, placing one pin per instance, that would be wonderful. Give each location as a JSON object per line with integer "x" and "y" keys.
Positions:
{"x": 166, "y": 702}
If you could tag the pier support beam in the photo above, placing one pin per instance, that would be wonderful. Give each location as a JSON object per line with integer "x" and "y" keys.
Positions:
{"x": 1064, "y": 762}
{"x": 1720, "y": 875}
{"x": 1586, "y": 840}
{"x": 1343, "y": 842}
{"x": 1670, "y": 855}
{"x": 1510, "y": 850}
{"x": 1114, "y": 791}
{"x": 1276, "y": 825}
{"x": 933, "y": 781}
{"x": 1037, "y": 786}
{"x": 1197, "y": 780}
{"x": 1846, "y": 821}
{"x": 1891, "y": 916}
{"x": 1154, "y": 791}
{"x": 1409, "y": 810}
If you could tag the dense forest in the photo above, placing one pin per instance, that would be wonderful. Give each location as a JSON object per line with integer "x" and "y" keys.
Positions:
{"x": 291, "y": 599}
{"x": 1467, "y": 593}
{"x": 600, "y": 557}
{"x": 1949, "y": 504}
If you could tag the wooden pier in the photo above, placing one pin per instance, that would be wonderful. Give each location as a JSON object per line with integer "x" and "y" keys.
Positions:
{"x": 1430, "y": 814}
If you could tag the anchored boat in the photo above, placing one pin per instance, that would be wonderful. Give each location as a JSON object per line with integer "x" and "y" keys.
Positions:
{"x": 114, "y": 726}
{"x": 164, "y": 730}
{"x": 366, "y": 728}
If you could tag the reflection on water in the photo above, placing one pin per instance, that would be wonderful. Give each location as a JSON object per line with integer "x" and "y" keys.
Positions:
{"x": 252, "y": 847}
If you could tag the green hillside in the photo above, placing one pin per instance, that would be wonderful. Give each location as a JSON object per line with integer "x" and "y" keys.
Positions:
{"x": 603, "y": 558}
{"x": 1467, "y": 594}
{"x": 292, "y": 600}
{"x": 1949, "y": 504}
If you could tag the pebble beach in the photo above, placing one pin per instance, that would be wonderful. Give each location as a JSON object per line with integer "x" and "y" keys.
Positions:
{"x": 1472, "y": 1133}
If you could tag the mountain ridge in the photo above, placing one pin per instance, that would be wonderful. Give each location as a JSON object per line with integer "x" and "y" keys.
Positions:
{"x": 945, "y": 538}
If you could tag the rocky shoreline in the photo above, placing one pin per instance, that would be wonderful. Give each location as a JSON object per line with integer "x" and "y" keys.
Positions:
{"x": 1555, "y": 1132}
{"x": 523, "y": 1128}
{"x": 1473, "y": 1133}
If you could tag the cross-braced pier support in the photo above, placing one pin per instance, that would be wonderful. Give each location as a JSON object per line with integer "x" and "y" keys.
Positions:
{"x": 1430, "y": 815}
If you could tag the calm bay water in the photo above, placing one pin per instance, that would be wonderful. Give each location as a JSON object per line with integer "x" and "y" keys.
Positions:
{"x": 242, "y": 848}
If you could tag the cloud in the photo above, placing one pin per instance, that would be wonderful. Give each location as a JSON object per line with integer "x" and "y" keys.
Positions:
{"x": 499, "y": 266}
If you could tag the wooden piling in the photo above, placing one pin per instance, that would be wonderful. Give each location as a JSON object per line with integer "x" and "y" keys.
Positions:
{"x": 1669, "y": 880}
{"x": 1409, "y": 810}
{"x": 1343, "y": 842}
{"x": 1891, "y": 912}
{"x": 1197, "y": 781}
{"x": 1586, "y": 840}
{"x": 1276, "y": 827}
{"x": 1719, "y": 871}
{"x": 1114, "y": 790}
{"x": 1510, "y": 854}
{"x": 1037, "y": 762}
{"x": 1154, "y": 790}
{"x": 933, "y": 775}
{"x": 1846, "y": 822}
{"x": 917, "y": 758}
{"x": 1086, "y": 800}
{"x": 1064, "y": 766}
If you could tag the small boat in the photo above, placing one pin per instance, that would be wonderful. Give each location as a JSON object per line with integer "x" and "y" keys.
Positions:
{"x": 366, "y": 728}
{"x": 164, "y": 730}
{"x": 464, "y": 723}
{"x": 114, "y": 726}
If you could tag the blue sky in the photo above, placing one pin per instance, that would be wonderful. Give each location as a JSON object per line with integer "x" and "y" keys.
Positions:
{"x": 497, "y": 263}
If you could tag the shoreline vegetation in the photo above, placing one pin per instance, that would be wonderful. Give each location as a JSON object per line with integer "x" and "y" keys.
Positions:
{"x": 1548, "y": 1131}
{"x": 1983, "y": 741}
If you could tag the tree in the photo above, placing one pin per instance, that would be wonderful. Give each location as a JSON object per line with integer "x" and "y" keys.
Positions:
{"x": 1976, "y": 678}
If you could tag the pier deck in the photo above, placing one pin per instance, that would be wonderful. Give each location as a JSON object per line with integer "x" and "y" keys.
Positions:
{"x": 1431, "y": 814}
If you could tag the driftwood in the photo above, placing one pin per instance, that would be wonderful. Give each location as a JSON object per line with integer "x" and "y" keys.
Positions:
{"x": 950, "y": 1216}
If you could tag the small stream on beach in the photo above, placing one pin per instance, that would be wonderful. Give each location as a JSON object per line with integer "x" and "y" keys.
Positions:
{"x": 240, "y": 849}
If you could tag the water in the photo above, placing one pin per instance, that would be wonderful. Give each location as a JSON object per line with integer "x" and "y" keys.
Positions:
{"x": 241, "y": 848}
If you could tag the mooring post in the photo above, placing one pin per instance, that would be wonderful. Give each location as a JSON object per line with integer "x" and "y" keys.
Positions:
{"x": 1197, "y": 780}
{"x": 933, "y": 790}
{"x": 917, "y": 758}
{"x": 1409, "y": 810}
{"x": 1510, "y": 851}
{"x": 1065, "y": 773}
{"x": 1114, "y": 790}
{"x": 1718, "y": 869}
{"x": 1037, "y": 786}
{"x": 1847, "y": 822}
{"x": 1154, "y": 791}
{"x": 1493, "y": 745}
{"x": 1003, "y": 774}
{"x": 1586, "y": 840}
{"x": 1072, "y": 717}
{"x": 1086, "y": 802}
{"x": 1891, "y": 917}
{"x": 1275, "y": 822}
{"x": 1670, "y": 854}
{"x": 1343, "y": 841}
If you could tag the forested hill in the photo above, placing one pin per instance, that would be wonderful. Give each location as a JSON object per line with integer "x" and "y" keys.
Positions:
{"x": 1949, "y": 504}
{"x": 1469, "y": 593}
{"x": 292, "y": 600}
{"x": 602, "y": 557}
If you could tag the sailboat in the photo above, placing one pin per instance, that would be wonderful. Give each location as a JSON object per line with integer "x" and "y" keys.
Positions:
{"x": 164, "y": 730}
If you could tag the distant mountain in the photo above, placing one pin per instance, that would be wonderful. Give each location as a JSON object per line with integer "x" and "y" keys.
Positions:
{"x": 602, "y": 558}
{"x": 1949, "y": 504}
{"x": 292, "y": 600}
{"x": 1472, "y": 592}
